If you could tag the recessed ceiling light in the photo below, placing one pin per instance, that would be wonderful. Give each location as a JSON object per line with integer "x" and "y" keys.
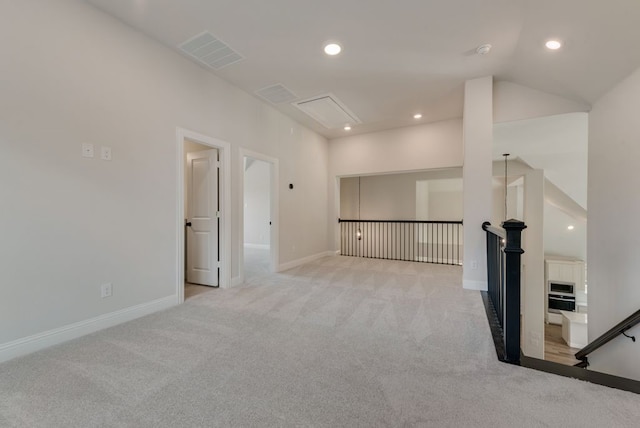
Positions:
{"x": 332, "y": 49}
{"x": 347, "y": 127}
{"x": 570, "y": 227}
{"x": 553, "y": 45}
{"x": 417, "y": 116}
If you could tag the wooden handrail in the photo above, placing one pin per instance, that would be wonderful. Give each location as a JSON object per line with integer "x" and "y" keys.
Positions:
{"x": 342, "y": 220}
{"x": 486, "y": 226}
{"x": 611, "y": 334}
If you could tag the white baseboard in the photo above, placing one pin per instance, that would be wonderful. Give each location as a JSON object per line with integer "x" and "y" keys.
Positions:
{"x": 474, "y": 285}
{"x": 299, "y": 262}
{"x": 237, "y": 280}
{"x": 442, "y": 261}
{"x": 258, "y": 246}
{"x": 39, "y": 341}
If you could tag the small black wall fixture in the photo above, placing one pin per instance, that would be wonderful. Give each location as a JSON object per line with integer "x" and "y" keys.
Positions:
{"x": 290, "y": 185}
{"x": 624, "y": 333}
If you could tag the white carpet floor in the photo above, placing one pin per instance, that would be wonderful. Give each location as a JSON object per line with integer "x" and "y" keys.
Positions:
{"x": 256, "y": 262}
{"x": 340, "y": 342}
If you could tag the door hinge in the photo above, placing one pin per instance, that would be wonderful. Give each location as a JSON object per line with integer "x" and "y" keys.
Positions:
{"x": 218, "y": 264}
{"x": 218, "y": 164}
{"x": 217, "y": 214}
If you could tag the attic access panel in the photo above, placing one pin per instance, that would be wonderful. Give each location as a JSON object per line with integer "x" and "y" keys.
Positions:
{"x": 328, "y": 110}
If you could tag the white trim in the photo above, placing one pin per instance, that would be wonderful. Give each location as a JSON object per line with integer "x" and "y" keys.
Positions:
{"x": 336, "y": 215}
{"x": 440, "y": 261}
{"x": 258, "y": 246}
{"x": 27, "y": 345}
{"x": 295, "y": 263}
{"x": 237, "y": 280}
{"x": 474, "y": 285}
{"x": 225, "y": 201}
{"x": 274, "y": 238}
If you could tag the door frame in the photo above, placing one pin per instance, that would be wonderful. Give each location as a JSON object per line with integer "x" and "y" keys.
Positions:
{"x": 224, "y": 195}
{"x": 274, "y": 209}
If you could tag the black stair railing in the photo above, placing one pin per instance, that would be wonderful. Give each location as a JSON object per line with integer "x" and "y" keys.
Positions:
{"x": 502, "y": 305}
{"x": 619, "y": 329}
{"x": 504, "y": 250}
{"x": 427, "y": 241}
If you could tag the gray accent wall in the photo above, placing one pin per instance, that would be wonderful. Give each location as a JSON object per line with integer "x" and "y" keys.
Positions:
{"x": 396, "y": 196}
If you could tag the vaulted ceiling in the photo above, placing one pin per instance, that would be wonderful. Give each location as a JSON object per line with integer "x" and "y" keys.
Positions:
{"x": 556, "y": 144}
{"x": 406, "y": 56}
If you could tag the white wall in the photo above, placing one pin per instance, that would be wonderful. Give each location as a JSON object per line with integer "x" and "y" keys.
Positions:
{"x": 416, "y": 148}
{"x": 446, "y": 199}
{"x": 257, "y": 202}
{"x": 613, "y": 233}
{"x": 533, "y": 287}
{"x": 422, "y": 200}
{"x": 516, "y": 102}
{"x": 350, "y": 197}
{"x": 477, "y": 173}
{"x": 558, "y": 239}
{"x": 70, "y": 75}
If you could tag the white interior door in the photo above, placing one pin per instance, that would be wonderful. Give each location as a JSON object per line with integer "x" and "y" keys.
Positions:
{"x": 202, "y": 233}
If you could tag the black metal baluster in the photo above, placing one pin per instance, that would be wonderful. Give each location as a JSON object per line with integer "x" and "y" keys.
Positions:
{"x": 448, "y": 245}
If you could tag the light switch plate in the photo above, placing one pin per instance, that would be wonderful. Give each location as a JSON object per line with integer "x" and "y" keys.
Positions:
{"x": 87, "y": 150}
{"x": 105, "y": 153}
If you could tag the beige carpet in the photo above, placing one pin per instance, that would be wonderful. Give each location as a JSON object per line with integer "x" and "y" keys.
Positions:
{"x": 341, "y": 342}
{"x": 256, "y": 262}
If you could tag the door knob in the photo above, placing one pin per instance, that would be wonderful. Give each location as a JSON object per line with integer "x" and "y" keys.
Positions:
{"x": 188, "y": 224}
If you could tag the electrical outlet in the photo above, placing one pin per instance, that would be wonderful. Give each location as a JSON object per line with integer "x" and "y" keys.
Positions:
{"x": 105, "y": 153}
{"x": 106, "y": 290}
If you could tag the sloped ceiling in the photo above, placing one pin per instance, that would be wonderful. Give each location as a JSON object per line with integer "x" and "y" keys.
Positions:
{"x": 555, "y": 144}
{"x": 402, "y": 57}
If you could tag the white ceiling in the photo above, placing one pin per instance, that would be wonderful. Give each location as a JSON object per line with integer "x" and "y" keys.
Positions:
{"x": 404, "y": 56}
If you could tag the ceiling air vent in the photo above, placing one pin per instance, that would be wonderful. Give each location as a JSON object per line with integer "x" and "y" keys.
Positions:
{"x": 276, "y": 94}
{"x": 210, "y": 51}
{"x": 328, "y": 110}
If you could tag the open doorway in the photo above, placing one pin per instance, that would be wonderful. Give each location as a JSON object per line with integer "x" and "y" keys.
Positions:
{"x": 203, "y": 210}
{"x": 259, "y": 208}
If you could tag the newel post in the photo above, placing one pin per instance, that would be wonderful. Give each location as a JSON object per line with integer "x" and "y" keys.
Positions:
{"x": 513, "y": 251}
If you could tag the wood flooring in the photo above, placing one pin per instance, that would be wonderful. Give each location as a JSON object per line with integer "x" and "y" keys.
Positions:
{"x": 555, "y": 348}
{"x": 191, "y": 290}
